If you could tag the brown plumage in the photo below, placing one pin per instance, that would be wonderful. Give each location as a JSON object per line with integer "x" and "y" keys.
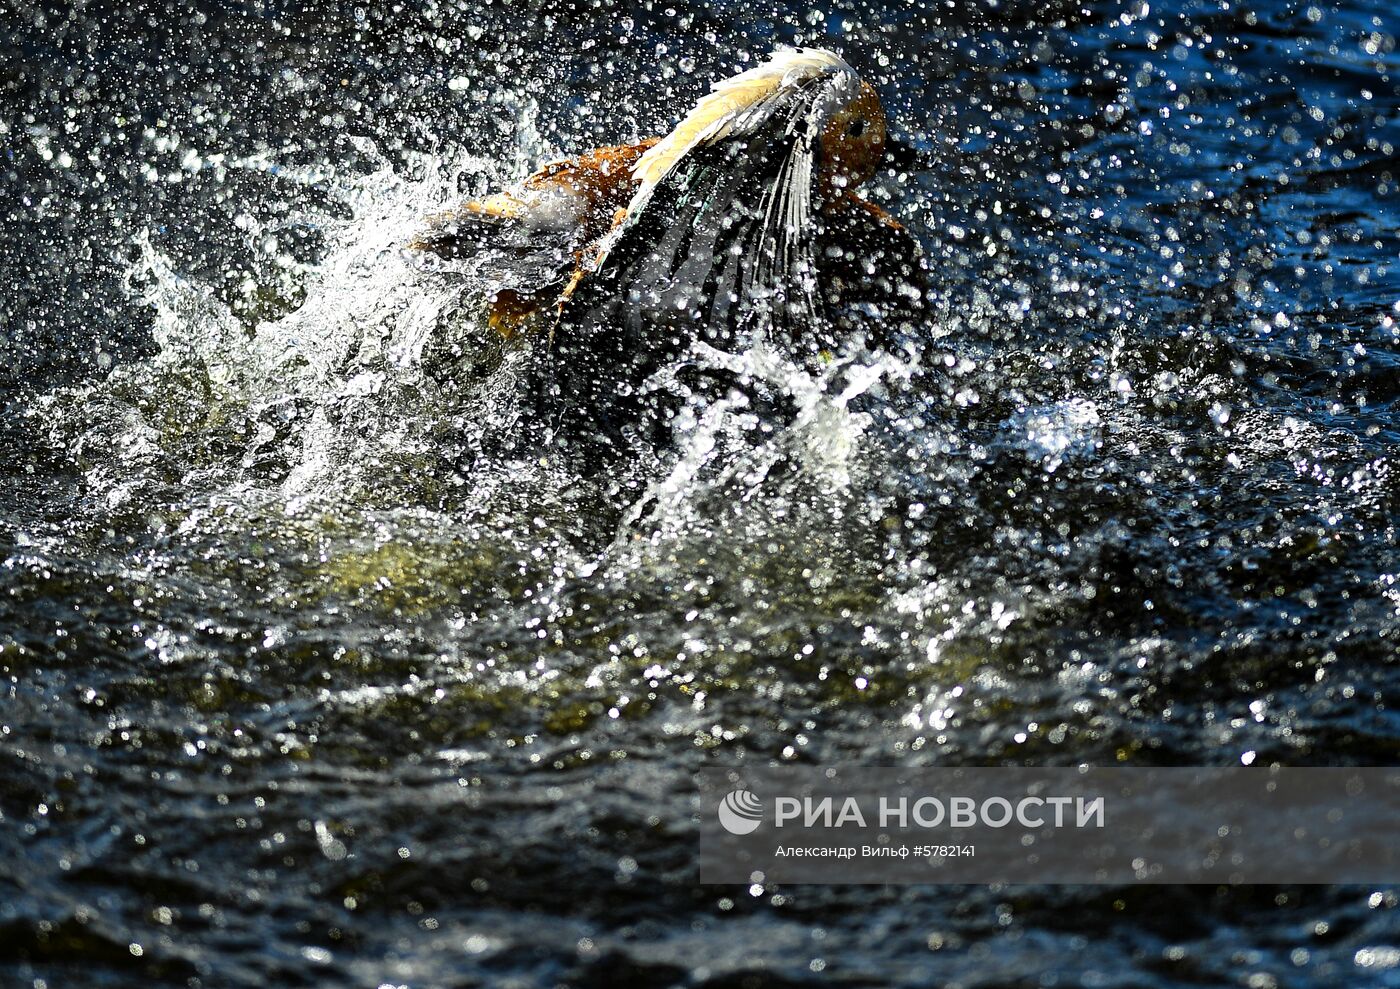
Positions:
{"x": 573, "y": 202}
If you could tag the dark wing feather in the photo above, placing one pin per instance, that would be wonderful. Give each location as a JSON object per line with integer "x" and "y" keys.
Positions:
{"x": 726, "y": 238}
{"x": 724, "y": 244}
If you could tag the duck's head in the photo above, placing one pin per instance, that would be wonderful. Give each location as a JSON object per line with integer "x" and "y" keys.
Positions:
{"x": 853, "y": 141}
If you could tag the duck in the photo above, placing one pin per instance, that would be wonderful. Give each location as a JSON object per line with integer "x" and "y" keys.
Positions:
{"x": 744, "y": 219}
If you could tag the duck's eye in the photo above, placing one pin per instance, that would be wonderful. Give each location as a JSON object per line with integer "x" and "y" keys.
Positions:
{"x": 857, "y": 127}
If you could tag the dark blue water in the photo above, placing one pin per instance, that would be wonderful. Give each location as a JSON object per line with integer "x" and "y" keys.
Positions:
{"x": 300, "y": 687}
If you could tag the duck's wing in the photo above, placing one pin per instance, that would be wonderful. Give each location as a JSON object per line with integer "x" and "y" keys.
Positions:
{"x": 721, "y": 232}
{"x": 719, "y": 240}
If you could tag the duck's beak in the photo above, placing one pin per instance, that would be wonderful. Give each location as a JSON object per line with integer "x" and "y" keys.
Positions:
{"x": 902, "y": 155}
